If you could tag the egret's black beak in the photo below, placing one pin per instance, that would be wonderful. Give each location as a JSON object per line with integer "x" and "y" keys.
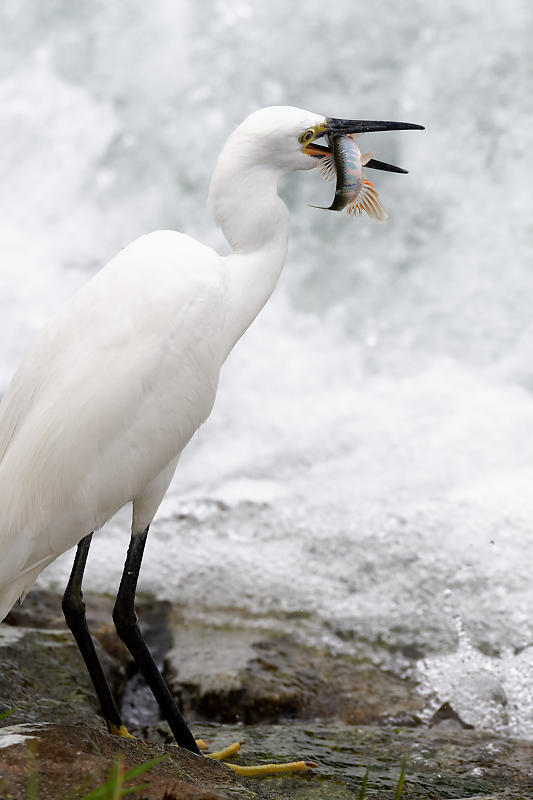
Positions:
{"x": 337, "y": 127}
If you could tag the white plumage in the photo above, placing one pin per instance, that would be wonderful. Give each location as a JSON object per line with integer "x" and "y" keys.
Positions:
{"x": 115, "y": 386}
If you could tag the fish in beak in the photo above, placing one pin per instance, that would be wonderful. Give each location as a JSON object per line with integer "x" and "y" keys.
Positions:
{"x": 343, "y": 159}
{"x": 353, "y": 189}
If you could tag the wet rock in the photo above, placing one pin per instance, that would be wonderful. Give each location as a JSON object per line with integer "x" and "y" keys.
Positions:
{"x": 232, "y": 669}
{"x": 446, "y": 712}
{"x": 29, "y": 669}
{"x": 43, "y": 677}
{"x": 232, "y": 674}
{"x": 42, "y": 609}
{"x": 42, "y": 673}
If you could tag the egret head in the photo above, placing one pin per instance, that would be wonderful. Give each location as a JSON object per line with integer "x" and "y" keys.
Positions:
{"x": 278, "y": 137}
{"x": 285, "y": 137}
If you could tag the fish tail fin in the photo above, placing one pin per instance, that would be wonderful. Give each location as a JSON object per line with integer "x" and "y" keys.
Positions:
{"x": 367, "y": 200}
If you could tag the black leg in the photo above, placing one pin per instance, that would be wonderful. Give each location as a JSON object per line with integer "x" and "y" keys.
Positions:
{"x": 125, "y": 620}
{"x": 74, "y": 611}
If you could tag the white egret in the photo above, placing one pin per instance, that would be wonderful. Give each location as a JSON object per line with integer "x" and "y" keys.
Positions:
{"x": 115, "y": 386}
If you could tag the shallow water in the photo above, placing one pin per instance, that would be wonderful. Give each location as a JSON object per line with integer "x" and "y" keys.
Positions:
{"x": 442, "y": 764}
{"x": 369, "y": 460}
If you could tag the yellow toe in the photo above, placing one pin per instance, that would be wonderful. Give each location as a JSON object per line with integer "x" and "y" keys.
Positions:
{"x": 272, "y": 769}
{"x": 119, "y": 731}
{"x": 219, "y": 755}
{"x": 202, "y": 744}
{"x": 259, "y": 769}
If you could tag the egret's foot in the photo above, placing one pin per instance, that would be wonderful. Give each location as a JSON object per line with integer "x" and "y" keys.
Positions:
{"x": 119, "y": 730}
{"x": 272, "y": 769}
{"x": 259, "y": 769}
{"x": 220, "y": 755}
{"x": 201, "y": 744}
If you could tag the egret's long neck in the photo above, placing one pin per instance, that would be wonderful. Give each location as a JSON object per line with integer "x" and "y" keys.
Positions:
{"x": 246, "y": 205}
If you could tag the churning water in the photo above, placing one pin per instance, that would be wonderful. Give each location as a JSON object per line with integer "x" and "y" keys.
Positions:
{"x": 369, "y": 462}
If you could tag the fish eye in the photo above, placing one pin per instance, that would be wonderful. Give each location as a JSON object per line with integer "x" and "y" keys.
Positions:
{"x": 306, "y": 136}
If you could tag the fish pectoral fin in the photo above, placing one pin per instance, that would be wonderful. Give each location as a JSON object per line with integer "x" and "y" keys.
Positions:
{"x": 367, "y": 200}
{"x": 365, "y": 158}
{"x": 326, "y": 168}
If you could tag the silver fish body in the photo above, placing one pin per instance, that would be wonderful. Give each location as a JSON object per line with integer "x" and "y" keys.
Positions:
{"x": 349, "y": 171}
{"x": 353, "y": 190}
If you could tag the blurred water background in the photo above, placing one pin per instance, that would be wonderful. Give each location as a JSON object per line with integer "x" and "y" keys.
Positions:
{"x": 366, "y": 477}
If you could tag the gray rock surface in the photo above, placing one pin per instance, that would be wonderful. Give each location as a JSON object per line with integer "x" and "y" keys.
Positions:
{"x": 304, "y": 702}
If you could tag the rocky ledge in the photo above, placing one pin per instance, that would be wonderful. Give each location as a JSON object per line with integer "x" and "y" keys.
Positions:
{"x": 236, "y": 681}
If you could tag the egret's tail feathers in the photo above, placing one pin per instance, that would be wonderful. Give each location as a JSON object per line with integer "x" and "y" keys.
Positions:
{"x": 9, "y": 595}
{"x": 18, "y": 589}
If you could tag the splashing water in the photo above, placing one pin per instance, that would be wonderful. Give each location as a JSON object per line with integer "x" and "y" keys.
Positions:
{"x": 487, "y": 691}
{"x": 371, "y": 447}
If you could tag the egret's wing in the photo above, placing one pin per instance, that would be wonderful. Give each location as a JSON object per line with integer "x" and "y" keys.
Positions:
{"x": 111, "y": 391}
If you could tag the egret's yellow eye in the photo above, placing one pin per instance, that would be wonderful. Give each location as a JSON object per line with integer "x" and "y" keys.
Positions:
{"x": 306, "y": 136}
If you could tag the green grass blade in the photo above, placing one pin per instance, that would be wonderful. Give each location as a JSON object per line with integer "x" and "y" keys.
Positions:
{"x": 32, "y": 789}
{"x": 117, "y": 779}
{"x": 101, "y": 793}
{"x": 32, "y": 786}
{"x": 401, "y": 781}
{"x": 7, "y": 713}
{"x": 362, "y": 793}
